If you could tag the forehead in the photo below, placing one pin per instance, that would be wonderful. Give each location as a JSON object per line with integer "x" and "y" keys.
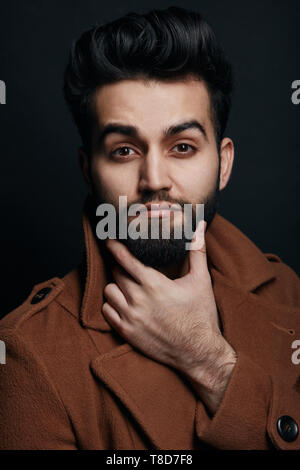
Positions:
{"x": 151, "y": 105}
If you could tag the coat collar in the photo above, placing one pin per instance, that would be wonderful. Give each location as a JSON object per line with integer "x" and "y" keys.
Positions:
{"x": 231, "y": 256}
{"x": 93, "y": 278}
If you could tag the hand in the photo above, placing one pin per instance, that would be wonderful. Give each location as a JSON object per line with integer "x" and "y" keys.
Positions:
{"x": 172, "y": 321}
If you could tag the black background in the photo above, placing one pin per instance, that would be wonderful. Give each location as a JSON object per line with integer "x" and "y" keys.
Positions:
{"x": 42, "y": 191}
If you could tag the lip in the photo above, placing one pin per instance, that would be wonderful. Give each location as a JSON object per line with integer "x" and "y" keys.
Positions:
{"x": 159, "y": 209}
{"x": 158, "y": 206}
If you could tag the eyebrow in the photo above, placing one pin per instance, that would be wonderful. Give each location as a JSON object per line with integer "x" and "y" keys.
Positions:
{"x": 132, "y": 131}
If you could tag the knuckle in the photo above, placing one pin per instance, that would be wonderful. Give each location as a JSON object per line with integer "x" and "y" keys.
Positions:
{"x": 124, "y": 325}
{"x": 134, "y": 315}
{"x": 138, "y": 298}
{"x": 152, "y": 283}
{"x": 123, "y": 328}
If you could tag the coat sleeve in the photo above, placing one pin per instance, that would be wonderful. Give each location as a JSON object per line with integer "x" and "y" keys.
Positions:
{"x": 247, "y": 416}
{"x": 32, "y": 416}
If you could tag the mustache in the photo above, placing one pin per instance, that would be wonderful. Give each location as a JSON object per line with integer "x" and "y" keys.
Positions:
{"x": 159, "y": 196}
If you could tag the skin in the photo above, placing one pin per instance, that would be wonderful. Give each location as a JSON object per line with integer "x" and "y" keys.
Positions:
{"x": 169, "y": 314}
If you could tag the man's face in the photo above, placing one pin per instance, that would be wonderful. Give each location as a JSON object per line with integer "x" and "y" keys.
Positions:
{"x": 152, "y": 157}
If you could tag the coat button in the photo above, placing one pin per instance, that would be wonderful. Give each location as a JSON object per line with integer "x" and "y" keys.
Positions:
{"x": 287, "y": 428}
{"x": 40, "y": 295}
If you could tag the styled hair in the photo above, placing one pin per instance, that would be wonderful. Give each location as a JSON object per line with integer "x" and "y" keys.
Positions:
{"x": 162, "y": 45}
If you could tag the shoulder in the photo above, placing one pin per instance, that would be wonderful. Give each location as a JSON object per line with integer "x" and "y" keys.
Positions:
{"x": 44, "y": 338}
{"x": 42, "y": 317}
{"x": 41, "y": 297}
{"x": 30, "y": 388}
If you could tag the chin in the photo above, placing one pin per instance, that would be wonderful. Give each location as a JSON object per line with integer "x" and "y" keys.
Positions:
{"x": 157, "y": 253}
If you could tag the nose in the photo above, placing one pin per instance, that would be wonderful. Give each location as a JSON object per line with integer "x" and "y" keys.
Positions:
{"x": 154, "y": 173}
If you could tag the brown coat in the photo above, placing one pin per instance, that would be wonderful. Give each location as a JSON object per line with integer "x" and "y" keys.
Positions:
{"x": 71, "y": 382}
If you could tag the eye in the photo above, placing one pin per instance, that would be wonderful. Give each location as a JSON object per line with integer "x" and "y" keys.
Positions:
{"x": 185, "y": 148}
{"x": 124, "y": 152}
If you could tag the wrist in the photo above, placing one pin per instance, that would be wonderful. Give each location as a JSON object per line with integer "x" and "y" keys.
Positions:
{"x": 210, "y": 377}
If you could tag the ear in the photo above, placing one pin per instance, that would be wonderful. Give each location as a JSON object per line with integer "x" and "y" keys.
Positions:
{"x": 226, "y": 161}
{"x": 84, "y": 164}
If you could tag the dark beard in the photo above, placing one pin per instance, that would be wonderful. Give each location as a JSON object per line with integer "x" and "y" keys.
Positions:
{"x": 163, "y": 252}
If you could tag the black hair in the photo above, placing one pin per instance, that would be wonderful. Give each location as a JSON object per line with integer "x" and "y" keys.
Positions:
{"x": 168, "y": 45}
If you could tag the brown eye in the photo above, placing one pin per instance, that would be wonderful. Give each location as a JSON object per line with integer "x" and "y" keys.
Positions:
{"x": 184, "y": 148}
{"x": 124, "y": 152}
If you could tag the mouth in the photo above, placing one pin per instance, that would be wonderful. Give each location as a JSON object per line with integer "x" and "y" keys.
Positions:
{"x": 159, "y": 209}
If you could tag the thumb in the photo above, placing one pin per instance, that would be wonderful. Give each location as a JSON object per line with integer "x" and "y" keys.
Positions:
{"x": 198, "y": 248}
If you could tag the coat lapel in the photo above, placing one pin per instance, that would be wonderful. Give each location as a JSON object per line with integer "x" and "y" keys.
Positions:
{"x": 159, "y": 400}
{"x": 261, "y": 329}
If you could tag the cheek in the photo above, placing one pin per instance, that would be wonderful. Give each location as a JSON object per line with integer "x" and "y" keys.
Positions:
{"x": 197, "y": 177}
{"x": 112, "y": 181}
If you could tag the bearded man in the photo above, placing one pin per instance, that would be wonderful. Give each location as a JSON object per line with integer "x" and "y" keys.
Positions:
{"x": 148, "y": 344}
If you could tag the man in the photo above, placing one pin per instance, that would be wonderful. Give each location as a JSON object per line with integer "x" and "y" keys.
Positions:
{"x": 149, "y": 345}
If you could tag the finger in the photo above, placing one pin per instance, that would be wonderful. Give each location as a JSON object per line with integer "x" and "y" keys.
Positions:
{"x": 116, "y": 298}
{"x": 111, "y": 315}
{"x": 130, "y": 263}
{"x": 125, "y": 282}
{"x": 198, "y": 259}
